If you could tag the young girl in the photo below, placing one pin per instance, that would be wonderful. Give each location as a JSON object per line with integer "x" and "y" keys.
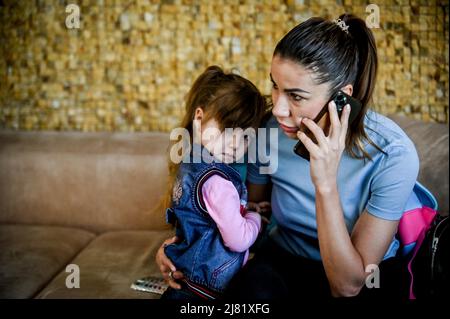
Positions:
{"x": 208, "y": 203}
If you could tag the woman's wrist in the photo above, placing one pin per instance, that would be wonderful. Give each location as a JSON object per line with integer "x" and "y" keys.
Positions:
{"x": 326, "y": 189}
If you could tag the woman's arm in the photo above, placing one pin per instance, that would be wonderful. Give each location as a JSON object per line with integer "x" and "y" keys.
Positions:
{"x": 345, "y": 258}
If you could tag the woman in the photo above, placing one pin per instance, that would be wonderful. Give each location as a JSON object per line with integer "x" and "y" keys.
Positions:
{"x": 336, "y": 215}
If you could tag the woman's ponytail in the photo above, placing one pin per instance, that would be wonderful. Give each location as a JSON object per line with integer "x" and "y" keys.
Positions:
{"x": 367, "y": 58}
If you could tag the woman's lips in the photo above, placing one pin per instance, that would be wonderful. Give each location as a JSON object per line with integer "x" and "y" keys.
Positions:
{"x": 288, "y": 129}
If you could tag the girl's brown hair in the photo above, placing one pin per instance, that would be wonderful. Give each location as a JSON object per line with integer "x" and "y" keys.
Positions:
{"x": 338, "y": 58}
{"x": 228, "y": 98}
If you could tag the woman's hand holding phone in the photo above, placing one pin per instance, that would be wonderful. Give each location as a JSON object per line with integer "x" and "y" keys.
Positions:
{"x": 326, "y": 153}
{"x": 340, "y": 99}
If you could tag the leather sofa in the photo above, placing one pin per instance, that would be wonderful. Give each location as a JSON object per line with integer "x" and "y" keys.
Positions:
{"x": 92, "y": 200}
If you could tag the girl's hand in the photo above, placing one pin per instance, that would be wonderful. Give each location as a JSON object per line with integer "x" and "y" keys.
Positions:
{"x": 262, "y": 208}
{"x": 265, "y": 208}
{"x": 326, "y": 154}
{"x": 166, "y": 267}
{"x": 253, "y": 206}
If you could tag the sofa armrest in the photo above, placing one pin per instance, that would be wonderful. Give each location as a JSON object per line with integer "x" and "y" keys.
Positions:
{"x": 431, "y": 141}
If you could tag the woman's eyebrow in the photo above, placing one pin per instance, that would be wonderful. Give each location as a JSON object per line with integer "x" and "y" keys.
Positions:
{"x": 290, "y": 90}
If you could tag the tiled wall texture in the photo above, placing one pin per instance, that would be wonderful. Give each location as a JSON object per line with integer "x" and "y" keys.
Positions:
{"x": 130, "y": 64}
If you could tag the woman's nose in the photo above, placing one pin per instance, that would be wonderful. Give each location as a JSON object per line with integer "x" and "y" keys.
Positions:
{"x": 281, "y": 108}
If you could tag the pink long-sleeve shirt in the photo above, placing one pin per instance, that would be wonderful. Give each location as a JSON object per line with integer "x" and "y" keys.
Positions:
{"x": 239, "y": 231}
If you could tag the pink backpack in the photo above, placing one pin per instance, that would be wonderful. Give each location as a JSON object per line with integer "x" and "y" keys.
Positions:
{"x": 420, "y": 212}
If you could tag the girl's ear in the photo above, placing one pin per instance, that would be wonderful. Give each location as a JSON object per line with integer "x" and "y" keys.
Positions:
{"x": 348, "y": 89}
{"x": 198, "y": 115}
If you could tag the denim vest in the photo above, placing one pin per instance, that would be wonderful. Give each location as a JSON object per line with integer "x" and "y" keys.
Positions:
{"x": 200, "y": 252}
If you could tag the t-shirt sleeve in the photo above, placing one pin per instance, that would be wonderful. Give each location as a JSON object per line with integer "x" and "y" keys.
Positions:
{"x": 393, "y": 183}
{"x": 223, "y": 204}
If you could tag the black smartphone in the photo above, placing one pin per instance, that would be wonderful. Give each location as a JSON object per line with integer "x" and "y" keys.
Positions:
{"x": 341, "y": 99}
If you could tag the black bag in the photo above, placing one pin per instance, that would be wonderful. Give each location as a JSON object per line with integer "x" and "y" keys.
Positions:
{"x": 430, "y": 266}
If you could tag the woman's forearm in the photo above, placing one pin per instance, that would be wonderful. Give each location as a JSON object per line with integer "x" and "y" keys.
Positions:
{"x": 343, "y": 264}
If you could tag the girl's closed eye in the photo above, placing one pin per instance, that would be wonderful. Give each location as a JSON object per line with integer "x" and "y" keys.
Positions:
{"x": 246, "y": 139}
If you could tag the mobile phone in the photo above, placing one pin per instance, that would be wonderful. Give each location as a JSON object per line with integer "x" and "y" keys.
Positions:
{"x": 150, "y": 284}
{"x": 341, "y": 99}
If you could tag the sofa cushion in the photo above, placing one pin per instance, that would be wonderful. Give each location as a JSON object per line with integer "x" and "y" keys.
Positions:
{"x": 109, "y": 265}
{"x": 30, "y": 256}
{"x": 96, "y": 181}
{"x": 431, "y": 141}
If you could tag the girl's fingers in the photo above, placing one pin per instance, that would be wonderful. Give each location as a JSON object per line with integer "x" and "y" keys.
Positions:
{"x": 253, "y": 206}
{"x": 264, "y": 204}
{"x": 171, "y": 240}
{"x": 265, "y": 220}
{"x": 265, "y": 207}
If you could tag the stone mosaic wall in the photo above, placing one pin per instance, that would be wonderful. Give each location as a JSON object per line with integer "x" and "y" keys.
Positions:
{"x": 129, "y": 65}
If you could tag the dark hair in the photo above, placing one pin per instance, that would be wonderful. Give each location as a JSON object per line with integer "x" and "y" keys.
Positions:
{"x": 228, "y": 98}
{"x": 339, "y": 58}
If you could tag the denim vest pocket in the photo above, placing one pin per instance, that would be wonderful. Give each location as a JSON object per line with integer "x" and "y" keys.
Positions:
{"x": 222, "y": 275}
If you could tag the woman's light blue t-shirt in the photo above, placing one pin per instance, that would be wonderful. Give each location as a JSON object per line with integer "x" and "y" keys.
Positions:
{"x": 381, "y": 186}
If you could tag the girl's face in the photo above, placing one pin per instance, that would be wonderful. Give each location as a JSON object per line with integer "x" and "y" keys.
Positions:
{"x": 295, "y": 95}
{"x": 228, "y": 146}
